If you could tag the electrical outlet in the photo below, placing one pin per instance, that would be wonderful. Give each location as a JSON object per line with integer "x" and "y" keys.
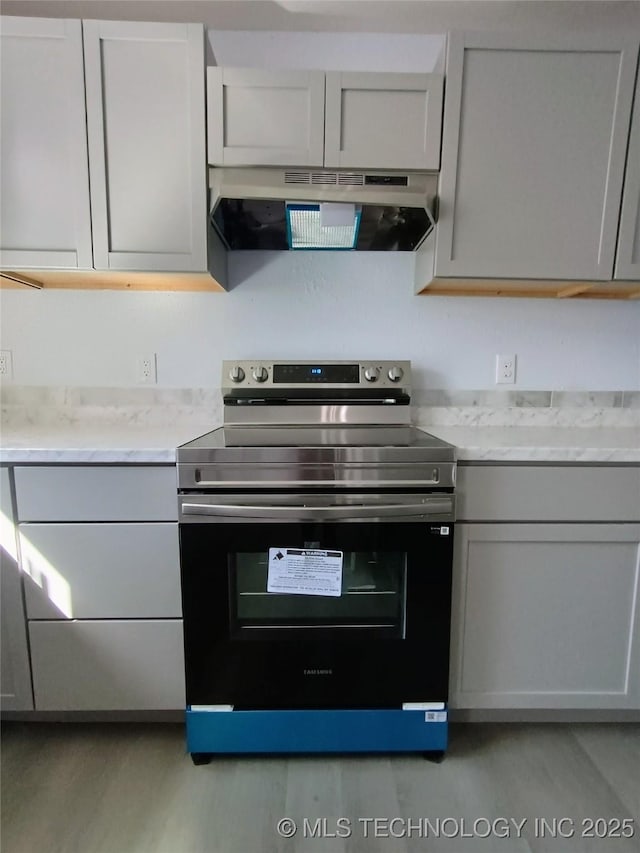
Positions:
{"x": 506, "y": 369}
{"x": 146, "y": 373}
{"x": 6, "y": 365}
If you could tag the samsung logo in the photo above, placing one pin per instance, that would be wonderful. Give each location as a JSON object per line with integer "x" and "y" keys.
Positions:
{"x": 318, "y": 671}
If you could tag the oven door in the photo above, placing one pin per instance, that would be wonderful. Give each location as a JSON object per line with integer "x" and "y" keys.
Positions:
{"x": 316, "y": 601}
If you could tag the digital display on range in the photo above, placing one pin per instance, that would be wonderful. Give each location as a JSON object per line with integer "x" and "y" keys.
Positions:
{"x": 338, "y": 374}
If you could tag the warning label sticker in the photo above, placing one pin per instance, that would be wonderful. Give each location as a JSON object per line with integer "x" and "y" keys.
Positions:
{"x": 303, "y": 571}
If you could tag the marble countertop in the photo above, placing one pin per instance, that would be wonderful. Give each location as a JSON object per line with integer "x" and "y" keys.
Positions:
{"x": 123, "y": 443}
{"x": 541, "y": 443}
{"x": 94, "y": 442}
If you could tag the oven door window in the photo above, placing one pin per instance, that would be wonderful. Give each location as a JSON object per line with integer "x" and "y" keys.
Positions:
{"x": 372, "y": 596}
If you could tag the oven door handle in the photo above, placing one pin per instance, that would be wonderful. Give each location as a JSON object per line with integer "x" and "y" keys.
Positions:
{"x": 436, "y": 506}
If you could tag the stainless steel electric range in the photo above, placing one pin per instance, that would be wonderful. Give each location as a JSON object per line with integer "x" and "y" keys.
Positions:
{"x": 316, "y": 535}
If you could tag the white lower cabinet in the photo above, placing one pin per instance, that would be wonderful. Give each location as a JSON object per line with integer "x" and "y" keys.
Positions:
{"x": 107, "y": 665}
{"x": 15, "y": 675}
{"x": 546, "y": 616}
{"x": 101, "y": 577}
{"x": 104, "y": 606}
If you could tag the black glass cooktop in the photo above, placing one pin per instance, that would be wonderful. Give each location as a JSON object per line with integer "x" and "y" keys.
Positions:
{"x": 316, "y": 436}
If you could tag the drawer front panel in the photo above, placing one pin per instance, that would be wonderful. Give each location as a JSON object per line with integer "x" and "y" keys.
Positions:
{"x": 530, "y": 493}
{"x": 63, "y": 493}
{"x": 101, "y": 571}
{"x": 108, "y": 666}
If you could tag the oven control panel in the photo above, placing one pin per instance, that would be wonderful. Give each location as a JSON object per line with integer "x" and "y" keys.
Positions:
{"x": 304, "y": 374}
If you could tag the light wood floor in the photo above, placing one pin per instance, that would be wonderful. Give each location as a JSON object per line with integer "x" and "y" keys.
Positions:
{"x": 123, "y": 788}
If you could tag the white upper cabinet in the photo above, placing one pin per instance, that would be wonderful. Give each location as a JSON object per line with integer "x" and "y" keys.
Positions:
{"x": 146, "y": 130}
{"x": 383, "y": 121}
{"x": 628, "y": 256}
{"x": 534, "y": 144}
{"x": 286, "y": 118}
{"x": 267, "y": 118}
{"x": 103, "y": 155}
{"x": 44, "y": 181}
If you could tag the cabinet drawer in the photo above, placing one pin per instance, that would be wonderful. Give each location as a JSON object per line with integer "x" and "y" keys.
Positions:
{"x": 531, "y": 493}
{"x": 107, "y": 666}
{"x": 101, "y": 571}
{"x": 46, "y": 493}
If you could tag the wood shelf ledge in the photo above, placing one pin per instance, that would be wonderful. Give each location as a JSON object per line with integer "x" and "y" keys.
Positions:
{"x": 532, "y": 288}
{"x": 109, "y": 280}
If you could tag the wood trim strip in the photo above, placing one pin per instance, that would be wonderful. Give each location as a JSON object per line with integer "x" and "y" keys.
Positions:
{"x": 573, "y": 290}
{"x": 532, "y": 288}
{"x": 19, "y": 280}
{"x": 110, "y": 280}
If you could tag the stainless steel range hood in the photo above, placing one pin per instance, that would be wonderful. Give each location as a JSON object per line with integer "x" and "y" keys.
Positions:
{"x": 261, "y": 208}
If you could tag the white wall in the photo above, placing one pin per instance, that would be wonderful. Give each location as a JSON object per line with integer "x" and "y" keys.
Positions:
{"x": 328, "y": 51}
{"x": 325, "y": 305}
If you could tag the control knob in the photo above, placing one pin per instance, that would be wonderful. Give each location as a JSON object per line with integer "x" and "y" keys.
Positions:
{"x": 260, "y": 374}
{"x": 236, "y": 374}
{"x": 371, "y": 374}
{"x": 395, "y": 374}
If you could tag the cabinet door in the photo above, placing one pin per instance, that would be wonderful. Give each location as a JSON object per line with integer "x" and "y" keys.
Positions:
{"x": 546, "y": 616}
{"x": 44, "y": 173}
{"x": 15, "y": 672}
{"x": 628, "y": 256}
{"x": 146, "y": 129}
{"x": 383, "y": 121}
{"x": 534, "y": 143}
{"x": 265, "y": 118}
{"x": 113, "y": 665}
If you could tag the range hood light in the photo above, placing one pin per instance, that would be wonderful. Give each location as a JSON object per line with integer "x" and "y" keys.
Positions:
{"x": 306, "y": 230}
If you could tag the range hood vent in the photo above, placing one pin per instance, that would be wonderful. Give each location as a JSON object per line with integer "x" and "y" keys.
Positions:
{"x": 319, "y": 179}
{"x": 249, "y": 205}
